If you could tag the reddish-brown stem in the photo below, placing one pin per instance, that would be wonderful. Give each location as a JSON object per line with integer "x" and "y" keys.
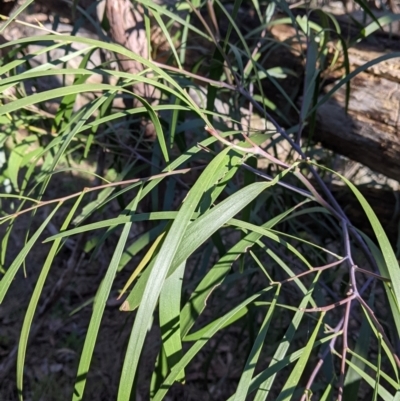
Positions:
{"x": 321, "y": 360}
{"x": 331, "y": 306}
{"x": 255, "y": 150}
{"x": 313, "y": 270}
{"x": 344, "y": 350}
{"x": 96, "y": 188}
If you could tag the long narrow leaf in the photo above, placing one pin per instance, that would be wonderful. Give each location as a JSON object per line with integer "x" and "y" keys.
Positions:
{"x": 249, "y": 368}
{"x": 99, "y": 306}
{"x": 158, "y": 275}
{"x": 12, "y": 270}
{"x": 27, "y": 323}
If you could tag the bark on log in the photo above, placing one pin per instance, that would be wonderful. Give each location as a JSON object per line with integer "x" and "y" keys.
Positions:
{"x": 370, "y": 132}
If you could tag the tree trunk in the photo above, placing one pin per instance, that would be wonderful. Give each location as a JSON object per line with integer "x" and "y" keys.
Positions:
{"x": 127, "y": 28}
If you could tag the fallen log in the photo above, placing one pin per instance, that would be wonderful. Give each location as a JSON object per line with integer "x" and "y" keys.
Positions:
{"x": 369, "y": 132}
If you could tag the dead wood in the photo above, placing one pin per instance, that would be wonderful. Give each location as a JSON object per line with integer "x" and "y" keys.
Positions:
{"x": 369, "y": 132}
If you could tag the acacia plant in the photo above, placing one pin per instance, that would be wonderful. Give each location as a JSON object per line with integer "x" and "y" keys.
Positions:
{"x": 217, "y": 228}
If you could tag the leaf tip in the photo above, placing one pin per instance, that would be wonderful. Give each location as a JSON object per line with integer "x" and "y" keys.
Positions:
{"x": 125, "y": 307}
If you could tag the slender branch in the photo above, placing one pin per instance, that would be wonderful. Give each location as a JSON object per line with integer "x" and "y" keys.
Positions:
{"x": 344, "y": 350}
{"x": 323, "y": 186}
{"x": 261, "y": 174}
{"x": 96, "y": 188}
{"x": 313, "y": 270}
{"x": 331, "y": 306}
{"x": 255, "y": 150}
{"x": 218, "y": 84}
{"x": 368, "y": 273}
{"x": 321, "y": 360}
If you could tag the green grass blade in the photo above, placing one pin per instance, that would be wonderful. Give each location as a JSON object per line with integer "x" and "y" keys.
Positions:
{"x": 198, "y": 299}
{"x": 65, "y": 110}
{"x": 353, "y": 380}
{"x": 379, "y": 366}
{"x": 174, "y": 16}
{"x": 15, "y": 14}
{"x": 378, "y": 24}
{"x": 386, "y": 396}
{"x": 167, "y": 36}
{"x": 366, "y": 361}
{"x": 197, "y": 335}
{"x": 391, "y": 267}
{"x": 353, "y": 74}
{"x": 377, "y": 254}
{"x": 203, "y": 228}
{"x": 114, "y": 222}
{"x": 285, "y": 361}
{"x": 327, "y": 395}
{"x": 157, "y": 126}
{"x": 53, "y": 94}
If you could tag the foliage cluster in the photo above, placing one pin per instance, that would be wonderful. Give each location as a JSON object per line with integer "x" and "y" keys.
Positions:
{"x": 235, "y": 228}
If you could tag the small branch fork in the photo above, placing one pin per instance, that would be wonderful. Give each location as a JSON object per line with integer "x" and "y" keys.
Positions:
{"x": 313, "y": 270}
{"x": 330, "y": 204}
{"x": 337, "y": 211}
{"x": 343, "y": 326}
